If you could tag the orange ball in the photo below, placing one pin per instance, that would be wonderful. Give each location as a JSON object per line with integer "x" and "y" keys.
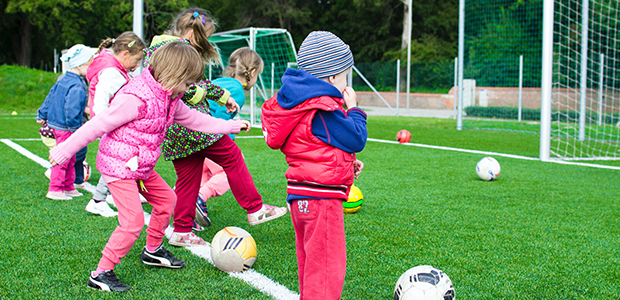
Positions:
{"x": 403, "y": 136}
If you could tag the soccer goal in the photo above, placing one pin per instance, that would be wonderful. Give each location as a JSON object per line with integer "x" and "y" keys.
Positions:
{"x": 545, "y": 67}
{"x": 274, "y": 45}
{"x": 581, "y": 96}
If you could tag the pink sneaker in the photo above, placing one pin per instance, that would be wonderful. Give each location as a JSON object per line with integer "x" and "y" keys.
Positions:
{"x": 57, "y": 196}
{"x": 73, "y": 193}
{"x": 182, "y": 240}
{"x": 266, "y": 213}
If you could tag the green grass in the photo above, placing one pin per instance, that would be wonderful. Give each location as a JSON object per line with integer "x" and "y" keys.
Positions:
{"x": 23, "y": 89}
{"x": 542, "y": 231}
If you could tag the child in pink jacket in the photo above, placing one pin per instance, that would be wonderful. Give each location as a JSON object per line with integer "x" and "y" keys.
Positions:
{"x": 132, "y": 130}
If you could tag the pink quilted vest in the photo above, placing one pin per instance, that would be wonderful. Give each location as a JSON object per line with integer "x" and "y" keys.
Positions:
{"x": 104, "y": 60}
{"x": 141, "y": 137}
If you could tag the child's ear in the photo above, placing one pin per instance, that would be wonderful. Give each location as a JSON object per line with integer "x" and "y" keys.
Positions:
{"x": 331, "y": 79}
{"x": 253, "y": 73}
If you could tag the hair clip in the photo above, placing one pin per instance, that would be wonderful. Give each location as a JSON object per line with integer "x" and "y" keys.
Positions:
{"x": 113, "y": 41}
{"x": 203, "y": 19}
{"x": 196, "y": 14}
{"x": 131, "y": 44}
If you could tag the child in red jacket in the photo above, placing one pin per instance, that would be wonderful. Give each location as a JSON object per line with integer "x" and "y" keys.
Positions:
{"x": 306, "y": 120}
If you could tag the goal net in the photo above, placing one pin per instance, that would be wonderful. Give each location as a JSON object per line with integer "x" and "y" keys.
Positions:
{"x": 275, "y": 46}
{"x": 585, "y": 94}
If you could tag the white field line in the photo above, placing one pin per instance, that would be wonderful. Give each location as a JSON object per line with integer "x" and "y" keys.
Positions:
{"x": 259, "y": 281}
{"x": 557, "y": 161}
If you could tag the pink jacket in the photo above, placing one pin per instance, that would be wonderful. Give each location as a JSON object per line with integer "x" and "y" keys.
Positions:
{"x": 136, "y": 126}
{"x": 104, "y": 60}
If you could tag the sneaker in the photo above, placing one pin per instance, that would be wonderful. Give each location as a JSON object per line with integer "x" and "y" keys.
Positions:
{"x": 267, "y": 213}
{"x": 100, "y": 208}
{"x": 197, "y": 227}
{"x": 182, "y": 240}
{"x": 161, "y": 258}
{"x": 57, "y": 196}
{"x": 48, "y": 173}
{"x": 78, "y": 185}
{"x": 107, "y": 281}
{"x": 73, "y": 193}
{"x": 202, "y": 214}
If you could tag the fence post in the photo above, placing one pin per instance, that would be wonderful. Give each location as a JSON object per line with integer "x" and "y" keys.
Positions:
{"x": 273, "y": 75}
{"x": 397, "y": 85}
{"x": 456, "y": 82}
{"x": 584, "y": 69}
{"x": 520, "y": 85}
{"x": 600, "y": 90}
{"x": 459, "y": 118}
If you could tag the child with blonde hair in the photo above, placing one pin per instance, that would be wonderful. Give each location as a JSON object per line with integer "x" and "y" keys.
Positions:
{"x": 132, "y": 131}
{"x": 187, "y": 148}
{"x": 314, "y": 120}
{"x": 108, "y": 73}
{"x": 62, "y": 111}
{"x": 244, "y": 67}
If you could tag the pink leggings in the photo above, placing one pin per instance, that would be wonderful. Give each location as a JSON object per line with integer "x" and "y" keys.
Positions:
{"x": 131, "y": 216}
{"x": 214, "y": 182}
{"x": 321, "y": 247}
{"x": 62, "y": 177}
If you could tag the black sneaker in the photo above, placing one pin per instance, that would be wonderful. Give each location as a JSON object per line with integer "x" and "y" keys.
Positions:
{"x": 161, "y": 258}
{"x": 107, "y": 281}
{"x": 202, "y": 214}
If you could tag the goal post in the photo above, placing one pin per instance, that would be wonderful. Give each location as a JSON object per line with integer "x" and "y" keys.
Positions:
{"x": 548, "y": 67}
{"x": 274, "y": 45}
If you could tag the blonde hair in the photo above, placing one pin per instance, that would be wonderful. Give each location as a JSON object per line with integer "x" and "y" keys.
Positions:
{"x": 126, "y": 41}
{"x": 201, "y": 22}
{"x": 242, "y": 62}
{"x": 175, "y": 63}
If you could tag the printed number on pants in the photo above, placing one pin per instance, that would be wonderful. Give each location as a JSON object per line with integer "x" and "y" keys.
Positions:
{"x": 302, "y": 205}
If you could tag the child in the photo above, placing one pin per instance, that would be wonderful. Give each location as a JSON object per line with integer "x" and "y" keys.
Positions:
{"x": 62, "y": 111}
{"x": 187, "y": 148}
{"x": 307, "y": 122}
{"x": 244, "y": 66}
{"x": 107, "y": 74}
{"x": 133, "y": 128}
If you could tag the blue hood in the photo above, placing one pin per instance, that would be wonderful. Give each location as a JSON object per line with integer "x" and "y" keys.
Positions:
{"x": 299, "y": 86}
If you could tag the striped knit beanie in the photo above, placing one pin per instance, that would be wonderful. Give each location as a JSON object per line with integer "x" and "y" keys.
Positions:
{"x": 323, "y": 54}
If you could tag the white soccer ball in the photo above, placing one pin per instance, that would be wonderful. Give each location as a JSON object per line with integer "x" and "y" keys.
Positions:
{"x": 424, "y": 283}
{"x": 488, "y": 169}
{"x": 233, "y": 250}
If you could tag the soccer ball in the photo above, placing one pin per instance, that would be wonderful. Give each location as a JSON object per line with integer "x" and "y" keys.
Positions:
{"x": 488, "y": 169}
{"x": 86, "y": 171}
{"x": 424, "y": 283}
{"x": 403, "y": 136}
{"x": 353, "y": 204}
{"x": 233, "y": 250}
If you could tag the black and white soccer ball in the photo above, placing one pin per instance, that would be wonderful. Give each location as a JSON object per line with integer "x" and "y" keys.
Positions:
{"x": 424, "y": 283}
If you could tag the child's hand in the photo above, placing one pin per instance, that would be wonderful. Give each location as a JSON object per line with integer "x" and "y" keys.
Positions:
{"x": 41, "y": 122}
{"x": 231, "y": 105}
{"x": 350, "y": 98}
{"x": 245, "y": 125}
{"x": 52, "y": 161}
{"x": 358, "y": 165}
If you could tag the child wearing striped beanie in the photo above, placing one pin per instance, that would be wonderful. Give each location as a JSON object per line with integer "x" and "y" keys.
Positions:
{"x": 314, "y": 120}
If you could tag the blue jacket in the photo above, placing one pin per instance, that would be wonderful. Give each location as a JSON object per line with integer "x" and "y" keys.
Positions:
{"x": 64, "y": 105}
{"x": 236, "y": 91}
{"x": 346, "y": 132}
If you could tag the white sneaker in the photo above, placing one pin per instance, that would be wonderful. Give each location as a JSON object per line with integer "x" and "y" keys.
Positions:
{"x": 100, "y": 208}
{"x": 110, "y": 200}
{"x": 266, "y": 213}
